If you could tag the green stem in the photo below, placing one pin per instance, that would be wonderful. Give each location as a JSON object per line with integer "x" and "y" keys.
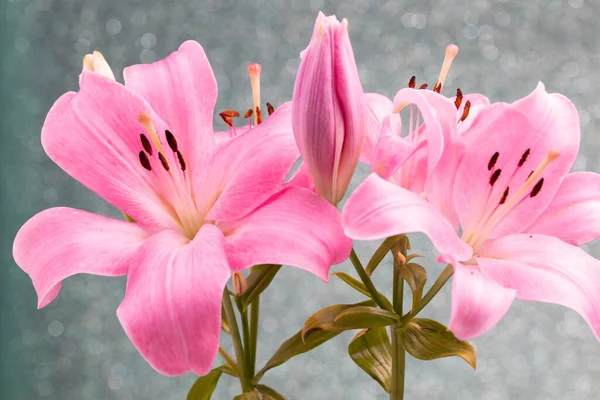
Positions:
{"x": 237, "y": 341}
{"x": 245, "y": 337}
{"x": 437, "y": 286}
{"x": 228, "y": 359}
{"x": 398, "y": 366}
{"x": 254, "y": 314}
{"x": 367, "y": 281}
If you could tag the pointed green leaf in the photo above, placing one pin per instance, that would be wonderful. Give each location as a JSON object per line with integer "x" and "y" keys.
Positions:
{"x": 229, "y": 370}
{"x": 371, "y": 350}
{"x": 249, "y": 396}
{"x": 381, "y": 252}
{"x": 258, "y": 280}
{"x": 204, "y": 386}
{"x": 363, "y": 317}
{"x": 270, "y": 393}
{"x": 295, "y": 346}
{"x": 353, "y": 283}
{"x": 427, "y": 339}
{"x": 224, "y": 324}
{"x": 324, "y": 319}
{"x": 416, "y": 277}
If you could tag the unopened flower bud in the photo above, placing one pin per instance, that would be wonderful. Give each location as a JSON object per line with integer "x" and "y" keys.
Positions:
{"x": 95, "y": 62}
{"x": 328, "y": 108}
{"x": 240, "y": 285}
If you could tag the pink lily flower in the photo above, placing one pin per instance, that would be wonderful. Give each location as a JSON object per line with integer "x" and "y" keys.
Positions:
{"x": 328, "y": 108}
{"x": 505, "y": 183}
{"x": 202, "y": 209}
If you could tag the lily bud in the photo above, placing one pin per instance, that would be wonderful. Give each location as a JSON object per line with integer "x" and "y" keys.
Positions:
{"x": 328, "y": 108}
{"x": 239, "y": 283}
{"x": 95, "y": 62}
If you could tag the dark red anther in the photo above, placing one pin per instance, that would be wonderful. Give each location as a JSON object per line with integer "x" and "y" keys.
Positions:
{"x": 413, "y": 82}
{"x": 171, "y": 140}
{"x": 258, "y": 115}
{"x": 538, "y": 186}
{"x": 459, "y": 97}
{"x": 423, "y": 86}
{"x": 248, "y": 113}
{"x": 493, "y": 160}
{"x": 504, "y": 196}
{"x": 163, "y": 161}
{"x": 524, "y": 157}
{"x": 270, "y": 108}
{"x": 144, "y": 161}
{"x": 437, "y": 87}
{"x": 181, "y": 160}
{"x": 465, "y": 113}
{"x": 146, "y": 143}
{"x": 495, "y": 176}
{"x": 227, "y": 116}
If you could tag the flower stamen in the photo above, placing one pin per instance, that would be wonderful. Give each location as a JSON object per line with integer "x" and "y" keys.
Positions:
{"x": 254, "y": 73}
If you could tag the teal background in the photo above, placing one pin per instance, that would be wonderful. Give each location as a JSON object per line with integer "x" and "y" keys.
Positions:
{"x": 75, "y": 348}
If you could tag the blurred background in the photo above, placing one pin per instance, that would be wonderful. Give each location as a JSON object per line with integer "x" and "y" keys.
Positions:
{"x": 75, "y": 348}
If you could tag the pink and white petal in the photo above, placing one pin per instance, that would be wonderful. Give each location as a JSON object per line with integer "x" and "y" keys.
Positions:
{"x": 294, "y": 227}
{"x": 245, "y": 171}
{"x": 544, "y": 268}
{"x": 94, "y": 135}
{"x": 378, "y": 107}
{"x": 525, "y": 130}
{"x": 574, "y": 213}
{"x": 378, "y": 209}
{"x": 182, "y": 89}
{"x": 60, "y": 242}
{"x": 172, "y": 305}
{"x": 478, "y": 302}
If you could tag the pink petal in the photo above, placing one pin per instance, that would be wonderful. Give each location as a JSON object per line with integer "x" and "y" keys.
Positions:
{"x": 526, "y": 130}
{"x": 94, "y": 136}
{"x": 172, "y": 306}
{"x": 378, "y": 107}
{"x": 182, "y": 89}
{"x": 60, "y": 242}
{"x": 301, "y": 178}
{"x": 294, "y": 227}
{"x": 378, "y": 209}
{"x": 478, "y": 303}
{"x": 574, "y": 213}
{"x": 544, "y": 268}
{"x": 245, "y": 171}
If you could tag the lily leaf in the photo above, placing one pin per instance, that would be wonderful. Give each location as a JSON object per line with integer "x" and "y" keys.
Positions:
{"x": 363, "y": 317}
{"x": 295, "y": 346}
{"x": 381, "y": 252}
{"x": 324, "y": 319}
{"x": 229, "y": 370}
{"x": 371, "y": 350}
{"x": 427, "y": 339}
{"x": 270, "y": 393}
{"x": 249, "y": 396}
{"x": 353, "y": 283}
{"x": 224, "y": 324}
{"x": 204, "y": 386}
{"x": 416, "y": 277}
{"x": 258, "y": 280}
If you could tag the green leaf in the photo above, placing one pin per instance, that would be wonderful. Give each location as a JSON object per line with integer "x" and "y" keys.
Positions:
{"x": 249, "y": 396}
{"x": 258, "y": 280}
{"x": 229, "y": 370}
{"x": 204, "y": 386}
{"x": 371, "y": 350}
{"x": 224, "y": 324}
{"x": 324, "y": 319}
{"x": 416, "y": 277}
{"x": 427, "y": 339}
{"x": 380, "y": 253}
{"x": 363, "y": 317}
{"x": 353, "y": 283}
{"x": 295, "y": 346}
{"x": 270, "y": 393}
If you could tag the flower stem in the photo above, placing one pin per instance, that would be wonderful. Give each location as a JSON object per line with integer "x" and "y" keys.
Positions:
{"x": 237, "y": 341}
{"x": 254, "y": 314}
{"x": 437, "y": 286}
{"x": 228, "y": 358}
{"x": 398, "y": 353}
{"x": 367, "y": 281}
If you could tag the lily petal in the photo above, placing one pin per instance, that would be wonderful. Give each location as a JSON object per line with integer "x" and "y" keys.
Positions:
{"x": 245, "y": 171}
{"x": 182, "y": 89}
{"x": 391, "y": 150}
{"x": 172, "y": 306}
{"x": 478, "y": 302}
{"x": 61, "y": 242}
{"x": 574, "y": 213}
{"x": 378, "y": 209}
{"x": 544, "y": 268}
{"x": 378, "y": 107}
{"x": 295, "y": 227}
{"x": 94, "y": 135}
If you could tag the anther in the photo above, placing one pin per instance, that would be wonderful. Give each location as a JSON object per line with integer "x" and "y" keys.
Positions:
{"x": 144, "y": 161}
{"x": 536, "y": 189}
{"x": 228, "y": 116}
{"x": 437, "y": 87}
{"x": 163, "y": 161}
{"x": 495, "y": 176}
{"x": 181, "y": 160}
{"x": 466, "y": 110}
{"x": 524, "y": 157}
{"x": 451, "y": 52}
{"x": 459, "y": 97}
{"x": 248, "y": 113}
{"x": 270, "y": 108}
{"x": 504, "y": 196}
{"x": 412, "y": 83}
{"x": 493, "y": 160}
{"x": 146, "y": 144}
{"x": 171, "y": 140}
{"x": 258, "y": 116}
{"x": 423, "y": 86}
